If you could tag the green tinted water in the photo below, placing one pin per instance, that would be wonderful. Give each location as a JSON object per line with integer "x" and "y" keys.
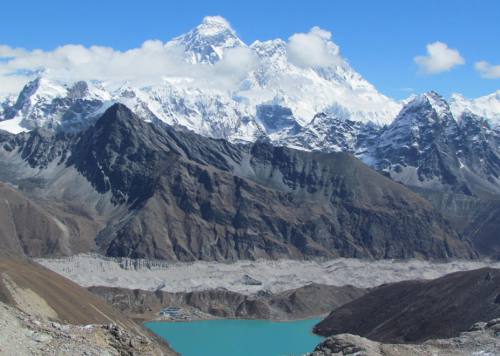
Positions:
{"x": 238, "y": 337}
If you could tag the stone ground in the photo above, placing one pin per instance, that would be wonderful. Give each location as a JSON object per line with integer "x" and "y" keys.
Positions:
{"x": 24, "y": 334}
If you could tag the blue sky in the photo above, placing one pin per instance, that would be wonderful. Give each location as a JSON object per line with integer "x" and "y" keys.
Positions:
{"x": 379, "y": 38}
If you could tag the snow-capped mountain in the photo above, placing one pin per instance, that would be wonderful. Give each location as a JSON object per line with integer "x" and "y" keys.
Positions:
{"x": 426, "y": 146}
{"x": 238, "y": 113}
{"x": 487, "y": 106}
{"x": 48, "y": 104}
{"x": 327, "y": 132}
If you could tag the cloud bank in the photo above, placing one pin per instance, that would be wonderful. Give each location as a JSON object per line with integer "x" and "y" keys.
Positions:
{"x": 153, "y": 62}
{"x": 440, "y": 58}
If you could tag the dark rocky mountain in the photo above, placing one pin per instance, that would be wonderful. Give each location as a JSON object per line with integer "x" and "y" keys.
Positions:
{"x": 158, "y": 193}
{"x": 42, "y": 103}
{"x": 414, "y": 311}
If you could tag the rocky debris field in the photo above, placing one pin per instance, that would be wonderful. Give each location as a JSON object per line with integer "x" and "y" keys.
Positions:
{"x": 274, "y": 276}
{"x": 24, "y": 334}
{"x": 482, "y": 339}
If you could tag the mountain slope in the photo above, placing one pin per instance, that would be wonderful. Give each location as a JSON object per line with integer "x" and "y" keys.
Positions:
{"x": 209, "y": 212}
{"x": 414, "y": 311}
{"x": 477, "y": 218}
{"x": 179, "y": 196}
{"x": 45, "y": 297}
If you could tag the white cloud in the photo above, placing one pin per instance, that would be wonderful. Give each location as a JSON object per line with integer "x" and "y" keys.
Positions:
{"x": 487, "y": 70}
{"x": 439, "y": 58}
{"x": 313, "y": 49}
{"x": 146, "y": 65}
{"x": 8, "y": 52}
{"x": 153, "y": 62}
{"x": 236, "y": 63}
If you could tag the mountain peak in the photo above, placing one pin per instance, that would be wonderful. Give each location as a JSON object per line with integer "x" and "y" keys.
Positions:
{"x": 39, "y": 89}
{"x": 208, "y": 41}
{"x": 214, "y": 24}
{"x": 117, "y": 113}
{"x": 431, "y": 100}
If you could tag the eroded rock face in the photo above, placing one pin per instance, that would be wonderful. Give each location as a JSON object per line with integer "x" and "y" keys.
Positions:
{"x": 482, "y": 338}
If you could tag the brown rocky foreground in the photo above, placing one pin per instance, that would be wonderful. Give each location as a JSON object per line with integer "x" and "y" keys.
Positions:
{"x": 43, "y": 313}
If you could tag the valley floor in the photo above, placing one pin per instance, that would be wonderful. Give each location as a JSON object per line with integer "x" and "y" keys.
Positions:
{"x": 247, "y": 277}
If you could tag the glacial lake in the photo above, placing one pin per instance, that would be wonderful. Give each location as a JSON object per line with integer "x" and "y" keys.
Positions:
{"x": 238, "y": 337}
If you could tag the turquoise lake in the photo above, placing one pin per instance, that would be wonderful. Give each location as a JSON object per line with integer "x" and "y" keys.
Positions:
{"x": 238, "y": 337}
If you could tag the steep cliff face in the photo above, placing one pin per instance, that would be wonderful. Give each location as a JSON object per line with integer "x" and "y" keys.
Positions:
{"x": 179, "y": 196}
